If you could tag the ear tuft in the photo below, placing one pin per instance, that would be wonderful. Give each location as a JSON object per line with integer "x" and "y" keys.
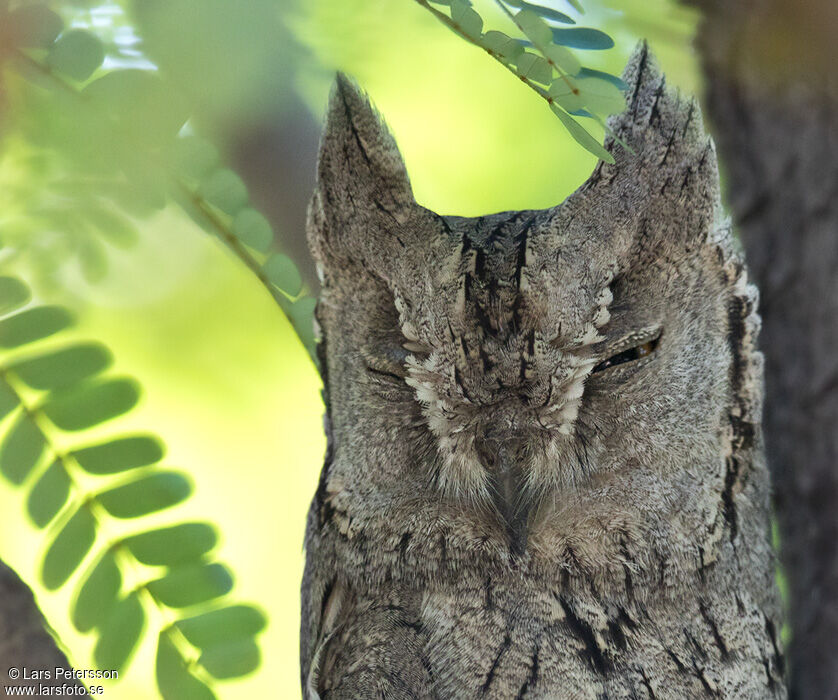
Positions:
{"x": 358, "y": 155}
{"x": 360, "y": 173}
{"x": 656, "y": 118}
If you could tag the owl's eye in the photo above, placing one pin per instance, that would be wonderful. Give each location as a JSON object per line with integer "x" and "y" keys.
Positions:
{"x": 388, "y": 358}
{"x": 418, "y": 349}
{"x": 634, "y": 353}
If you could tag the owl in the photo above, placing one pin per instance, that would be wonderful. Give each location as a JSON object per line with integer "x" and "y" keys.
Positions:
{"x": 545, "y": 473}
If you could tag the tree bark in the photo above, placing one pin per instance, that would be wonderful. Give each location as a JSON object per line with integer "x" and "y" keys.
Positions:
{"x": 772, "y": 101}
{"x": 24, "y": 640}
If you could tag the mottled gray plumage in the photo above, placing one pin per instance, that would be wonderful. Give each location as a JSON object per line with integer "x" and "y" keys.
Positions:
{"x": 503, "y": 513}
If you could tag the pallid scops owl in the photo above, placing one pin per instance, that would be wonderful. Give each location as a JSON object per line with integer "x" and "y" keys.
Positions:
{"x": 545, "y": 473}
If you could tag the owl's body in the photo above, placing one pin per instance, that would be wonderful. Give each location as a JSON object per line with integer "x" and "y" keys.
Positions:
{"x": 545, "y": 474}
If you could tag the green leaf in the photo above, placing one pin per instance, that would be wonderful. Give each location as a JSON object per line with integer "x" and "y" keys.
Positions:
{"x": 9, "y": 401}
{"x": 21, "y": 449}
{"x": 225, "y": 190}
{"x": 563, "y": 59}
{"x": 194, "y": 156}
{"x": 567, "y": 94}
{"x": 601, "y": 96}
{"x": 169, "y": 546}
{"x": 608, "y": 130}
{"x": 536, "y": 29}
{"x": 173, "y": 678}
{"x": 546, "y": 12}
{"x": 63, "y": 367}
{"x": 190, "y": 585}
{"x": 282, "y": 272}
{"x": 502, "y": 44}
{"x": 253, "y": 229}
{"x": 301, "y": 315}
{"x": 120, "y": 634}
{"x": 582, "y": 38}
{"x": 98, "y": 594}
{"x": 214, "y": 628}
{"x": 146, "y": 495}
{"x": 34, "y": 26}
{"x": 467, "y": 19}
{"x": 94, "y": 263}
{"x": 145, "y": 193}
{"x": 576, "y": 5}
{"x": 140, "y": 104}
{"x": 92, "y": 403}
{"x": 49, "y": 494}
{"x": 141, "y": 196}
{"x": 33, "y": 324}
{"x": 76, "y": 54}
{"x": 118, "y": 229}
{"x": 602, "y": 75}
{"x": 231, "y": 660}
{"x": 13, "y": 294}
{"x": 119, "y": 455}
{"x": 582, "y": 137}
{"x": 68, "y": 549}
{"x": 535, "y": 68}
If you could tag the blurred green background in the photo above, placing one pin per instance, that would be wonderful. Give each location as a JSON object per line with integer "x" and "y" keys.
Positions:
{"x": 226, "y": 382}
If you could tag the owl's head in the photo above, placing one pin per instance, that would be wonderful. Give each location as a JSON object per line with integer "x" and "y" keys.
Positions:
{"x": 527, "y": 355}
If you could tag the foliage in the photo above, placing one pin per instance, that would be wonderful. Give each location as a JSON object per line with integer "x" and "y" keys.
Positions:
{"x": 125, "y": 146}
{"x": 49, "y": 392}
{"x": 543, "y": 60}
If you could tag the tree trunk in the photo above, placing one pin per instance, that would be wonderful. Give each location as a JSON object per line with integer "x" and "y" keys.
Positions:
{"x": 772, "y": 100}
{"x": 24, "y": 640}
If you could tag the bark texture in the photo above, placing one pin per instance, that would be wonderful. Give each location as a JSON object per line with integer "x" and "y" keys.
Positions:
{"x": 25, "y": 642}
{"x": 772, "y": 102}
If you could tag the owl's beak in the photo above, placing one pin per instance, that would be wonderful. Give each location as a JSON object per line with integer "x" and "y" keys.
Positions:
{"x": 503, "y": 459}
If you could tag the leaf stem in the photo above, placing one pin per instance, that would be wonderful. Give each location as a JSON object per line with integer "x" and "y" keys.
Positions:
{"x": 282, "y": 299}
{"x": 451, "y": 24}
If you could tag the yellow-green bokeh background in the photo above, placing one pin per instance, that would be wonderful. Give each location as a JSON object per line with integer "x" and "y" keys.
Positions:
{"x": 226, "y": 383}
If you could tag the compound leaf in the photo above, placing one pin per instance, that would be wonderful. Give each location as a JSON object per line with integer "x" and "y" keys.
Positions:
{"x": 119, "y": 455}
{"x": 13, "y": 294}
{"x": 173, "y": 678}
{"x": 120, "y": 634}
{"x": 35, "y": 26}
{"x": 172, "y": 545}
{"x": 68, "y": 549}
{"x": 21, "y": 449}
{"x": 232, "y": 659}
{"x": 61, "y": 368}
{"x": 76, "y": 54}
{"x": 92, "y": 404}
{"x": 192, "y": 584}
{"x": 252, "y": 228}
{"x": 283, "y": 273}
{"x": 49, "y": 494}
{"x": 147, "y": 494}
{"x": 582, "y": 38}
{"x": 214, "y": 628}
{"x": 582, "y": 137}
{"x": 224, "y": 189}
{"x": 33, "y": 324}
{"x": 98, "y": 594}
